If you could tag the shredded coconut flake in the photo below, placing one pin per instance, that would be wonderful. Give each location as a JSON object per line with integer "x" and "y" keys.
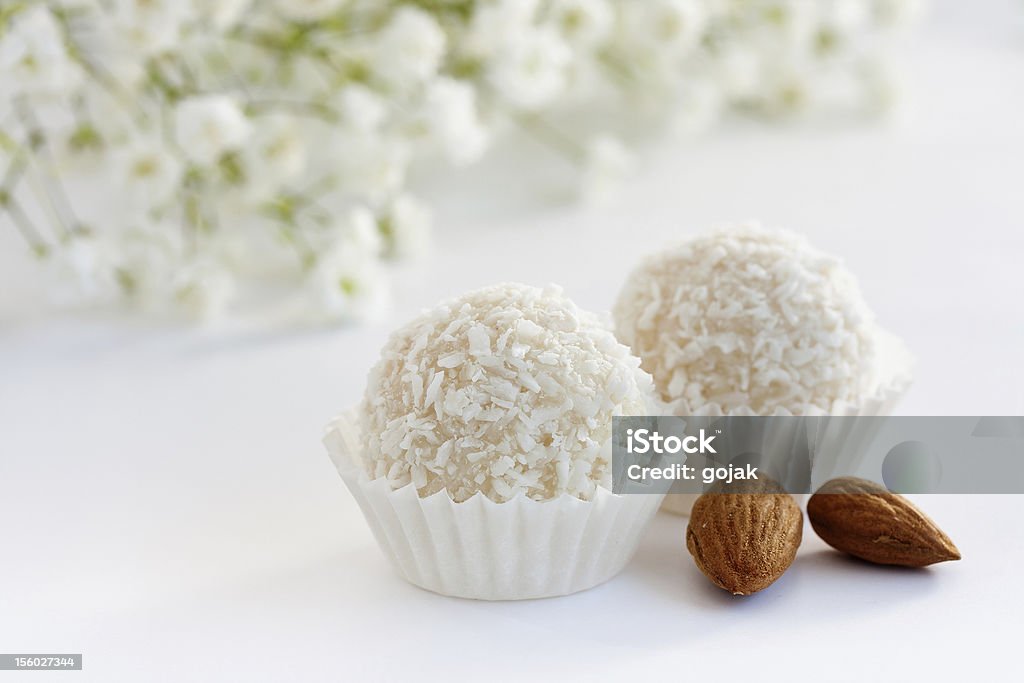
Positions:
{"x": 508, "y": 391}
{"x": 749, "y": 319}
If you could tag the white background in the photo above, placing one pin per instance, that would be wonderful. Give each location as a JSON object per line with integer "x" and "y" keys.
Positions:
{"x": 167, "y": 510}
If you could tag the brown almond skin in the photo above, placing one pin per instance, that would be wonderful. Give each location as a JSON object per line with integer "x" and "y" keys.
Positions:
{"x": 864, "y": 519}
{"x": 743, "y": 542}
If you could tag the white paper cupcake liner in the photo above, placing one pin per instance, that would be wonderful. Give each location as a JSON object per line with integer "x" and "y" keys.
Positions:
{"x": 843, "y": 439}
{"x": 480, "y": 549}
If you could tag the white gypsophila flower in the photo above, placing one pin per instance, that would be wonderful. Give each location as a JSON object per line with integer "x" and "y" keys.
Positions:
{"x": 410, "y": 48}
{"x": 307, "y": 10}
{"x": 150, "y": 27}
{"x": 495, "y": 24}
{"x": 789, "y": 15}
{"x": 361, "y": 108}
{"x": 360, "y": 229}
{"x": 150, "y": 172}
{"x": 346, "y": 286}
{"x": 387, "y": 70}
{"x": 250, "y": 246}
{"x": 274, "y": 154}
{"x": 782, "y": 28}
{"x": 786, "y": 90}
{"x": 607, "y": 164}
{"x": 160, "y": 231}
{"x": 531, "y": 71}
{"x": 835, "y": 30}
{"x": 33, "y": 57}
{"x": 671, "y": 27}
{"x": 737, "y": 69}
{"x": 113, "y": 52}
{"x": 844, "y": 15}
{"x": 112, "y": 122}
{"x": 582, "y": 23}
{"x": 450, "y": 114}
{"x": 897, "y": 13}
{"x": 148, "y": 255}
{"x": 82, "y": 270}
{"x": 697, "y": 107}
{"x": 372, "y": 167}
{"x": 882, "y": 87}
{"x": 207, "y": 126}
{"x": 406, "y": 223}
{"x": 221, "y": 14}
{"x": 204, "y": 288}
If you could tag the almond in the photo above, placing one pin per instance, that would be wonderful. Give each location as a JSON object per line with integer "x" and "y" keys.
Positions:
{"x": 868, "y": 521}
{"x": 746, "y": 536}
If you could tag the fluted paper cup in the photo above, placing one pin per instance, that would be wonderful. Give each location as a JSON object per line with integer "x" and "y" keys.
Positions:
{"x": 846, "y": 440}
{"x": 480, "y": 549}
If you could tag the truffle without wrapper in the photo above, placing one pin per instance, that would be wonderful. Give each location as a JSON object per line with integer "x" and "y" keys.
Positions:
{"x": 756, "y": 321}
{"x": 506, "y": 390}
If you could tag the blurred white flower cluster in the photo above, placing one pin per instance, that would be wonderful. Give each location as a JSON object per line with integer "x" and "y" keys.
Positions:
{"x": 242, "y": 141}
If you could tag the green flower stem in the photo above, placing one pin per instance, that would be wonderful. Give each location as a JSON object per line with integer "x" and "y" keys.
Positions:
{"x": 9, "y": 12}
{"x": 288, "y": 42}
{"x": 297, "y": 42}
{"x": 462, "y": 9}
{"x": 618, "y": 71}
{"x": 16, "y": 169}
{"x": 233, "y": 71}
{"x": 159, "y": 80}
{"x": 316, "y": 110}
{"x": 53, "y": 189}
{"x": 298, "y": 241}
{"x": 21, "y": 221}
{"x": 317, "y": 189}
{"x": 554, "y": 139}
{"x": 195, "y": 213}
{"x": 287, "y": 209}
{"x": 94, "y": 71}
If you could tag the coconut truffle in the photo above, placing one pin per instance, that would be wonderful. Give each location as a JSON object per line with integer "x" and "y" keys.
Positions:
{"x": 506, "y": 390}
{"x": 753, "y": 321}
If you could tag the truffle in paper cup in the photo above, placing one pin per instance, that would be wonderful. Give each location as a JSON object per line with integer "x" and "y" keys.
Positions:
{"x": 481, "y": 549}
{"x": 754, "y": 321}
{"x": 481, "y": 451}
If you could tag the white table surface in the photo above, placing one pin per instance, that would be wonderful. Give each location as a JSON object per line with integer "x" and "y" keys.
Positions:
{"x": 167, "y": 510}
